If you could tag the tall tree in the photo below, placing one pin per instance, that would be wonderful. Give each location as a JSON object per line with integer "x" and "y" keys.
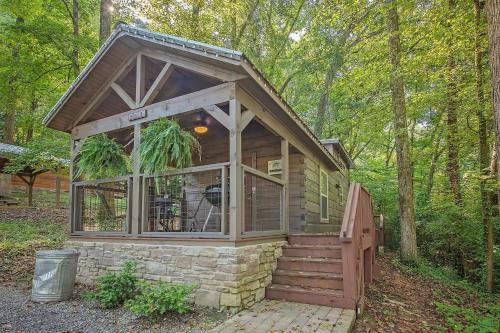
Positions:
{"x": 451, "y": 111}
{"x": 493, "y": 16}
{"x": 73, "y": 14}
{"x": 483, "y": 155}
{"x": 105, "y": 15}
{"x": 405, "y": 182}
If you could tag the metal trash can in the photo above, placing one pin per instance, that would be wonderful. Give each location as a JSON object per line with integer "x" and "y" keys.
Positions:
{"x": 54, "y": 276}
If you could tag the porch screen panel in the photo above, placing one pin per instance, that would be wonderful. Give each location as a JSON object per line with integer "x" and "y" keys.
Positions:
{"x": 263, "y": 204}
{"x": 186, "y": 202}
{"x": 101, "y": 207}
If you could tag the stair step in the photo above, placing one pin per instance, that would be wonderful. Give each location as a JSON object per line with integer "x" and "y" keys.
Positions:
{"x": 310, "y": 264}
{"x": 308, "y": 279}
{"x": 314, "y": 239}
{"x": 319, "y": 296}
{"x": 313, "y": 251}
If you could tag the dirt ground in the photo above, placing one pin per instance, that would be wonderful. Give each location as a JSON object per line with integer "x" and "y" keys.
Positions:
{"x": 399, "y": 302}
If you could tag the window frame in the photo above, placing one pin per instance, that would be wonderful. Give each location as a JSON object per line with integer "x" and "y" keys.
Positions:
{"x": 321, "y": 195}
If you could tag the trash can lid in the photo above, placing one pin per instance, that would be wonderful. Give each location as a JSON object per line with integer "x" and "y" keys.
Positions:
{"x": 64, "y": 253}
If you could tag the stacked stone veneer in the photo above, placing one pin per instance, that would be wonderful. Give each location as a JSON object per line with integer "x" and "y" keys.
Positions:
{"x": 227, "y": 277}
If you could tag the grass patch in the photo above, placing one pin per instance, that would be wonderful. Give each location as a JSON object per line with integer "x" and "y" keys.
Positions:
{"x": 466, "y": 307}
{"x": 41, "y": 197}
{"x": 28, "y": 233}
{"x": 20, "y": 238}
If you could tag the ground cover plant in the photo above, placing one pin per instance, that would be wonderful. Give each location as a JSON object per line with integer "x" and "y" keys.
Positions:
{"x": 114, "y": 289}
{"x": 155, "y": 299}
{"x": 144, "y": 298}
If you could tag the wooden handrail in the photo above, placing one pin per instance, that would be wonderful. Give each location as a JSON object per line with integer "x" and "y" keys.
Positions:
{"x": 102, "y": 181}
{"x": 358, "y": 240}
{"x": 198, "y": 168}
{"x": 347, "y": 228}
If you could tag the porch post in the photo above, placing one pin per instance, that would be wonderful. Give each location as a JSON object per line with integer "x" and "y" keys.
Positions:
{"x": 72, "y": 155}
{"x": 136, "y": 182}
{"x": 235, "y": 171}
{"x": 285, "y": 178}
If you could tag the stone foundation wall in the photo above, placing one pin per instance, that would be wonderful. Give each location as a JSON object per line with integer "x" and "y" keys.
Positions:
{"x": 227, "y": 277}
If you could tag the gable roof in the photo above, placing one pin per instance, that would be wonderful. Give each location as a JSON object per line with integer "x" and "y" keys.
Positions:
{"x": 236, "y": 60}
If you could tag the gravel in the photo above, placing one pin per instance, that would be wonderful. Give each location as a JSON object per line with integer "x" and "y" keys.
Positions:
{"x": 19, "y": 314}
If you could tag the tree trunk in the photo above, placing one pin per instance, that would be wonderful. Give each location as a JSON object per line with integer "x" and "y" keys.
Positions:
{"x": 76, "y": 35}
{"x": 493, "y": 15}
{"x": 58, "y": 191}
{"x": 9, "y": 125}
{"x": 406, "y": 206}
{"x": 30, "y": 194}
{"x": 493, "y": 215}
{"x": 453, "y": 168}
{"x": 323, "y": 101}
{"x": 195, "y": 19}
{"x": 482, "y": 133}
{"x": 432, "y": 169}
{"x": 106, "y": 9}
{"x": 31, "y": 125}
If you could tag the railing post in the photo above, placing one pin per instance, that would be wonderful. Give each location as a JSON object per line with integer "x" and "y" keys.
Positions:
{"x": 223, "y": 205}
{"x": 76, "y": 146}
{"x": 136, "y": 182}
{"x": 285, "y": 177}
{"x": 235, "y": 171}
{"x": 71, "y": 190}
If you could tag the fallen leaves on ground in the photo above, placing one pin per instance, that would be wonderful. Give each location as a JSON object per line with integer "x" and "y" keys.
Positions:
{"x": 399, "y": 302}
{"x": 17, "y": 261}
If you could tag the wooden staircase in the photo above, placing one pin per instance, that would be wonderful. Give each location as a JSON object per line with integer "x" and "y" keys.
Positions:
{"x": 310, "y": 271}
{"x": 329, "y": 268}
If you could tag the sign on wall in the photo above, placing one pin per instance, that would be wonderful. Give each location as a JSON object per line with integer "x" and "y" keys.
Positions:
{"x": 274, "y": 167}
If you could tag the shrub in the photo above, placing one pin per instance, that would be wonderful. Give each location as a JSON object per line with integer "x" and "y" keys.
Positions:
{"x": 116, "y": 288}
{"x": 154, "y": 300}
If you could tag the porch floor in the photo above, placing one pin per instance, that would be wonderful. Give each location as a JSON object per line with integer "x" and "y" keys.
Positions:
{"x": 279, "y": 316}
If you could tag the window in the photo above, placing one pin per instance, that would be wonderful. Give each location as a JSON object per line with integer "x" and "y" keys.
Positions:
{"x": 323, "y": 189}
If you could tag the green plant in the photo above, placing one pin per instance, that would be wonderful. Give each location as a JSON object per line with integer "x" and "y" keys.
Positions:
{"x": 101, "y": 157}
{"x": 164, "y": 145}
{"x": 116, "y": 288}
{"x": 154, "y": 300}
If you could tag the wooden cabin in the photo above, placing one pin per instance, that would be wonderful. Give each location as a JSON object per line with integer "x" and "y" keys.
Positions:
{"x": 264, "y": 196}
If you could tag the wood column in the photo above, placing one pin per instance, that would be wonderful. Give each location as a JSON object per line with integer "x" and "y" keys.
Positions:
{"x": 235, "y": 172}
{"x": 136, "y": 197}
{"x": 73, "y": 153}
{"x": 285, "y": 178}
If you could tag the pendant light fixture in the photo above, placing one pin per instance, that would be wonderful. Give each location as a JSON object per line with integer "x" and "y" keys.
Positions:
{"x": 201, "y": 126}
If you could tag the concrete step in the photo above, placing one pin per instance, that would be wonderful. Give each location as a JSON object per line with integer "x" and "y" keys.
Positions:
{"x": 325, "y": 265}
{"x": 308, "y": 279}
{"x": 314, "y": 239}
{"x": 317, "y": 296}
{"x": 313, "y": 251}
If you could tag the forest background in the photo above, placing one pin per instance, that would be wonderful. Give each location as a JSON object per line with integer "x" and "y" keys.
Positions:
{"x": 334, "y": 62}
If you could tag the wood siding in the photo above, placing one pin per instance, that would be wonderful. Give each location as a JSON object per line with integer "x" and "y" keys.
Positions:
{"x": 44, "y": 181}
{"x": 338, "y": 188}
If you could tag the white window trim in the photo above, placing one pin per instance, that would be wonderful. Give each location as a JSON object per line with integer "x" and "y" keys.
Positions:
{"x": 321, "y": 195}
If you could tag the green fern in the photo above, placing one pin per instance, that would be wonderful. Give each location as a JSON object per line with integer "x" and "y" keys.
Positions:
{"x": 165, "y": 145}
{"x": 101, "y": 157}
